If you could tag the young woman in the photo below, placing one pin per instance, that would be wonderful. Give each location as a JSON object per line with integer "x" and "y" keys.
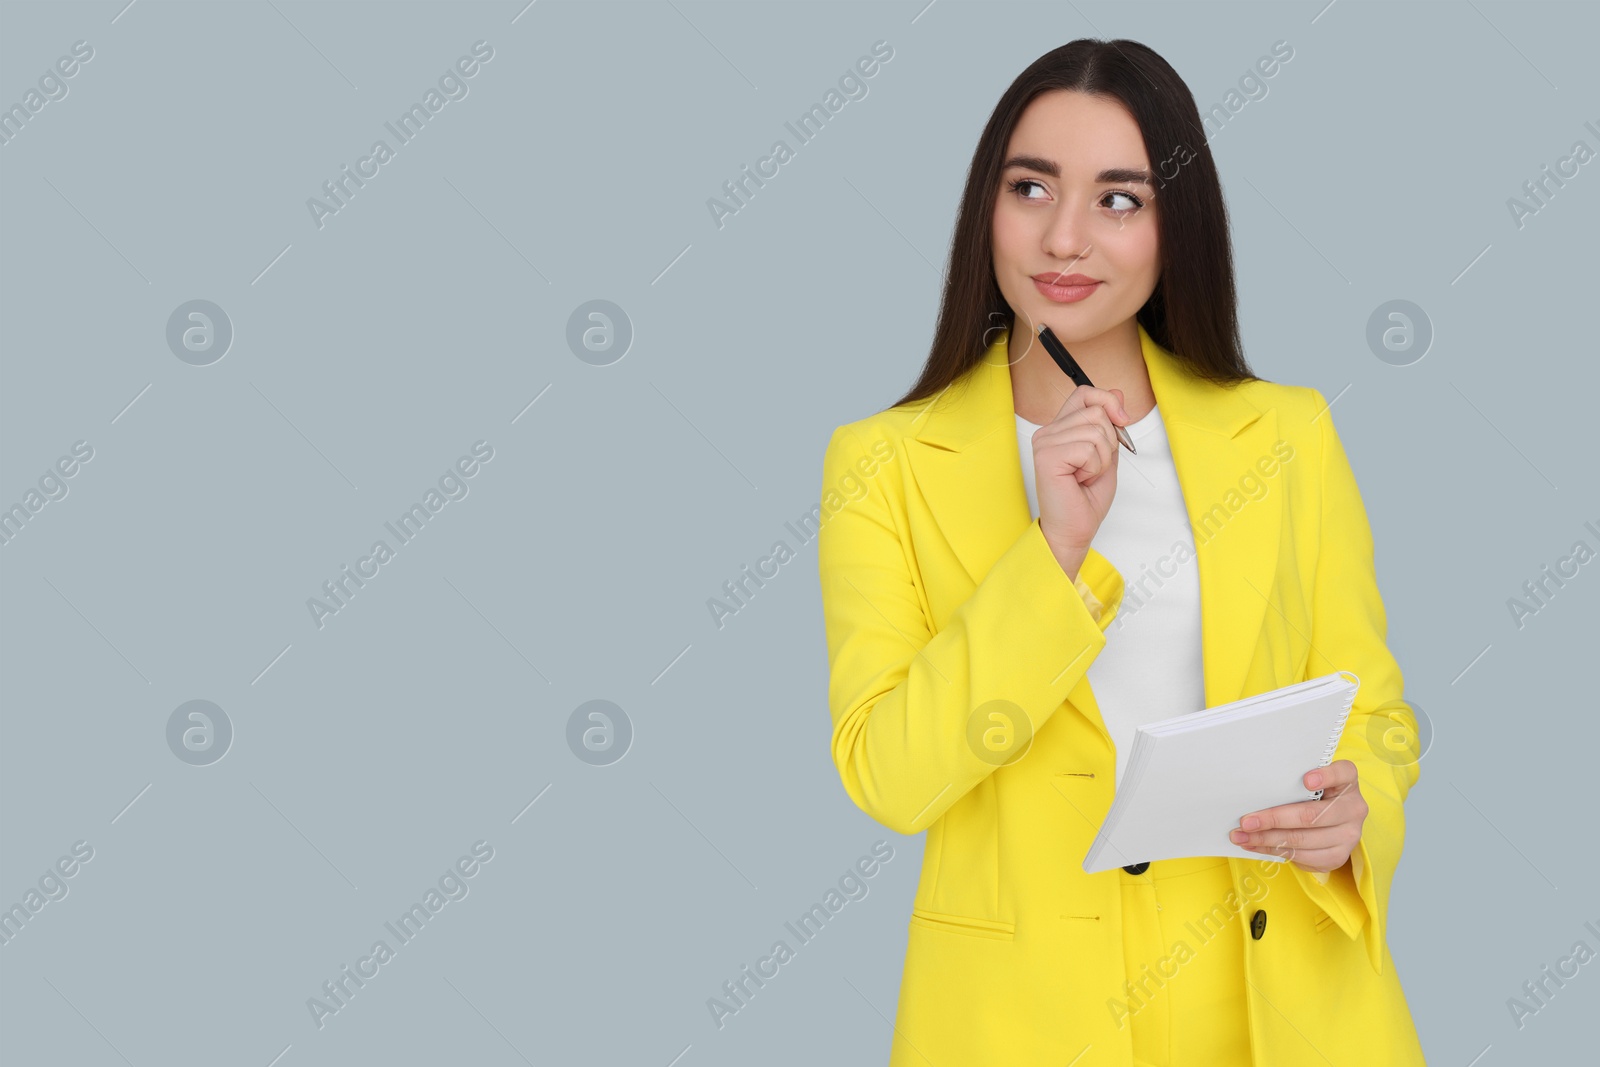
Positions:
{"x": 1005, "y": 604}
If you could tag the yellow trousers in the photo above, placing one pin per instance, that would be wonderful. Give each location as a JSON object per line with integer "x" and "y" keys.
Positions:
{"x": 1185, "y": 965}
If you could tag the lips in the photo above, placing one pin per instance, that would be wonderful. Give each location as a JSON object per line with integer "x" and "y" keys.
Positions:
{"x": 1071, "y": 289}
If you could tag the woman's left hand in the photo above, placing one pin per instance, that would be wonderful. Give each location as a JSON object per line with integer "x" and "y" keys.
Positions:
{"x": 1318, "y": 835}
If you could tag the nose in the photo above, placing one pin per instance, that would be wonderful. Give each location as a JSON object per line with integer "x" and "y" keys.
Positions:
{"x": 1064, "y": 238}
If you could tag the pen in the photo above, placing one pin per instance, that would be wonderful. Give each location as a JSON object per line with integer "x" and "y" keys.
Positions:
{"x": 1064, "y": 360}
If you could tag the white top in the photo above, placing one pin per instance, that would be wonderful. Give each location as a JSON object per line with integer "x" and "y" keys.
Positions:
{"x": 1151, "y": 665}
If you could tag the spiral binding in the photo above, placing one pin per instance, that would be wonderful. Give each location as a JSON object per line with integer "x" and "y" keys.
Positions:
{"x": 1338, "y": 729}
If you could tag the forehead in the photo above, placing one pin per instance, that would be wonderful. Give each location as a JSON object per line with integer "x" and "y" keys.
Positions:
{"x": 1084, "y": 134}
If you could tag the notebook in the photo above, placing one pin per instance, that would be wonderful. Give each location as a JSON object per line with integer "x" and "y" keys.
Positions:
{"x": 1189, "y": 779}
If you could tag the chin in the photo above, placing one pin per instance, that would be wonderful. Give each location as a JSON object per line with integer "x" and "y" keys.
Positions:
{"x": 1070, "y": 324}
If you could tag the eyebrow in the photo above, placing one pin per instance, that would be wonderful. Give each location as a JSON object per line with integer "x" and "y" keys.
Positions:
{"x": 1050, "y": 167}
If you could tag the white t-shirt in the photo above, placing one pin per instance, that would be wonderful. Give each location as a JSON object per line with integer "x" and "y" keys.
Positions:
{"x": 1151, "y": 666}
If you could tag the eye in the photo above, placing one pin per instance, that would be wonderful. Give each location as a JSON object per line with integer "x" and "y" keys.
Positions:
{"x": 1017, "y": 185}
{"x": 1127, "y": 196}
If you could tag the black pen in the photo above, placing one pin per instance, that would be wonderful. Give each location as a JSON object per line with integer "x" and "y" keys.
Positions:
{"x": 1069, "y": 366}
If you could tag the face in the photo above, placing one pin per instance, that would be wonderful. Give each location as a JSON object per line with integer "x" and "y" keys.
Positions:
{"x": 1075, "y": 204}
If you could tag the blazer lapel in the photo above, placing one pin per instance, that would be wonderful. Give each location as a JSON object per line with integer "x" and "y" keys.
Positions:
{"x": 965, "y": 462}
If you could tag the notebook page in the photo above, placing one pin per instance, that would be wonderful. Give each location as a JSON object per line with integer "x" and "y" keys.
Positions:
{"x": 1186, "y": 789}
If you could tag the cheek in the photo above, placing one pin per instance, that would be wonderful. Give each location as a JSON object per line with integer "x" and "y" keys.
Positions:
{"x": 1135, "y": 250}
{"x": 1015, "y": 245}
{"x": 1010, "y": 232}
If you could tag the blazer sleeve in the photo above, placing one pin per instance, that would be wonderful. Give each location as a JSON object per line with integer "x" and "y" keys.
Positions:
{"x": 1348, "y": 632}
{"x": 902, "y": 698}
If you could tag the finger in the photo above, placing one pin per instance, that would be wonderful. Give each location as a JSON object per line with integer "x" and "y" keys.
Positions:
{"x": 1299, "y": 813}
{"x": 1333, "y": 779}
{"x": 1302, "y": 838}
{"x": 1094, "y": 417}
{"x": 1086, "y": 396}
{"x": 1096, "y": 432}
{"x": 1106, "y": 456}
{"x": 1069, "y": 426}
{"x": 1084, "y": 455}
{"x": 1339, "y": 778}
{"x": 1105, "y": 451}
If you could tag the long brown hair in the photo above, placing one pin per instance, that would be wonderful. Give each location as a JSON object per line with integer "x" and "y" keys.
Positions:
{"x": 1193, "y": 312}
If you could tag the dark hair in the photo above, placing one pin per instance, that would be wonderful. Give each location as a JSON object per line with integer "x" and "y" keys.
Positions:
{"x": 1192, "y": 313}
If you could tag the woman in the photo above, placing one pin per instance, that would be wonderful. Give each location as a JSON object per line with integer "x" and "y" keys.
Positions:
{"x": 987, "y": 671}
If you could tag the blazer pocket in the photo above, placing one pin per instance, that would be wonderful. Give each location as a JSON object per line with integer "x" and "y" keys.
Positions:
{"x": 994, "y": 929}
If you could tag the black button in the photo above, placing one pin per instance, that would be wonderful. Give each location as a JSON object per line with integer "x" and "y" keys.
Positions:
{"x": 1258, "y": 924}
{"x": 1137, "y": 868}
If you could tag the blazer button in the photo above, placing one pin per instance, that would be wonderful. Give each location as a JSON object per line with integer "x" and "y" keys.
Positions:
{"x": 1258, "y": 924}
{"x": 1137, "y": 868}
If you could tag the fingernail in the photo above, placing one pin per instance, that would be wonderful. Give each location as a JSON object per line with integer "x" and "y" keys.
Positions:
{"x": 1237, "y": 837}
{"x": 1250, "y": 822}
{"x": 1315, "y": 780}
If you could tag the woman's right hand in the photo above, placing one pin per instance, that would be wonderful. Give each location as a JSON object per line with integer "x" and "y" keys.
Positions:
{"x": 1075, "y": 471}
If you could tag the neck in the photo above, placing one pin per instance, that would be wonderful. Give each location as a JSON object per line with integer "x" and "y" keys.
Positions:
{"x": 1113, "y": 360}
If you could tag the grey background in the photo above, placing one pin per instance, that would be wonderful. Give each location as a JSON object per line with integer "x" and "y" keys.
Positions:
{"x": 370, "y": 354}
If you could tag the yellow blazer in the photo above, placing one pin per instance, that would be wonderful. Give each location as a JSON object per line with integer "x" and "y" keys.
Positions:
{"x": 940, "y": 595}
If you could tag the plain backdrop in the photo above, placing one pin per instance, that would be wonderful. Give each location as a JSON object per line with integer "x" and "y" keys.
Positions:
{"x": 370, "y": 351}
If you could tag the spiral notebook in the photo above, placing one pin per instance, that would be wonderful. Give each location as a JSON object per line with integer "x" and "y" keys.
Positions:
{"x": 1189, "y": 779}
